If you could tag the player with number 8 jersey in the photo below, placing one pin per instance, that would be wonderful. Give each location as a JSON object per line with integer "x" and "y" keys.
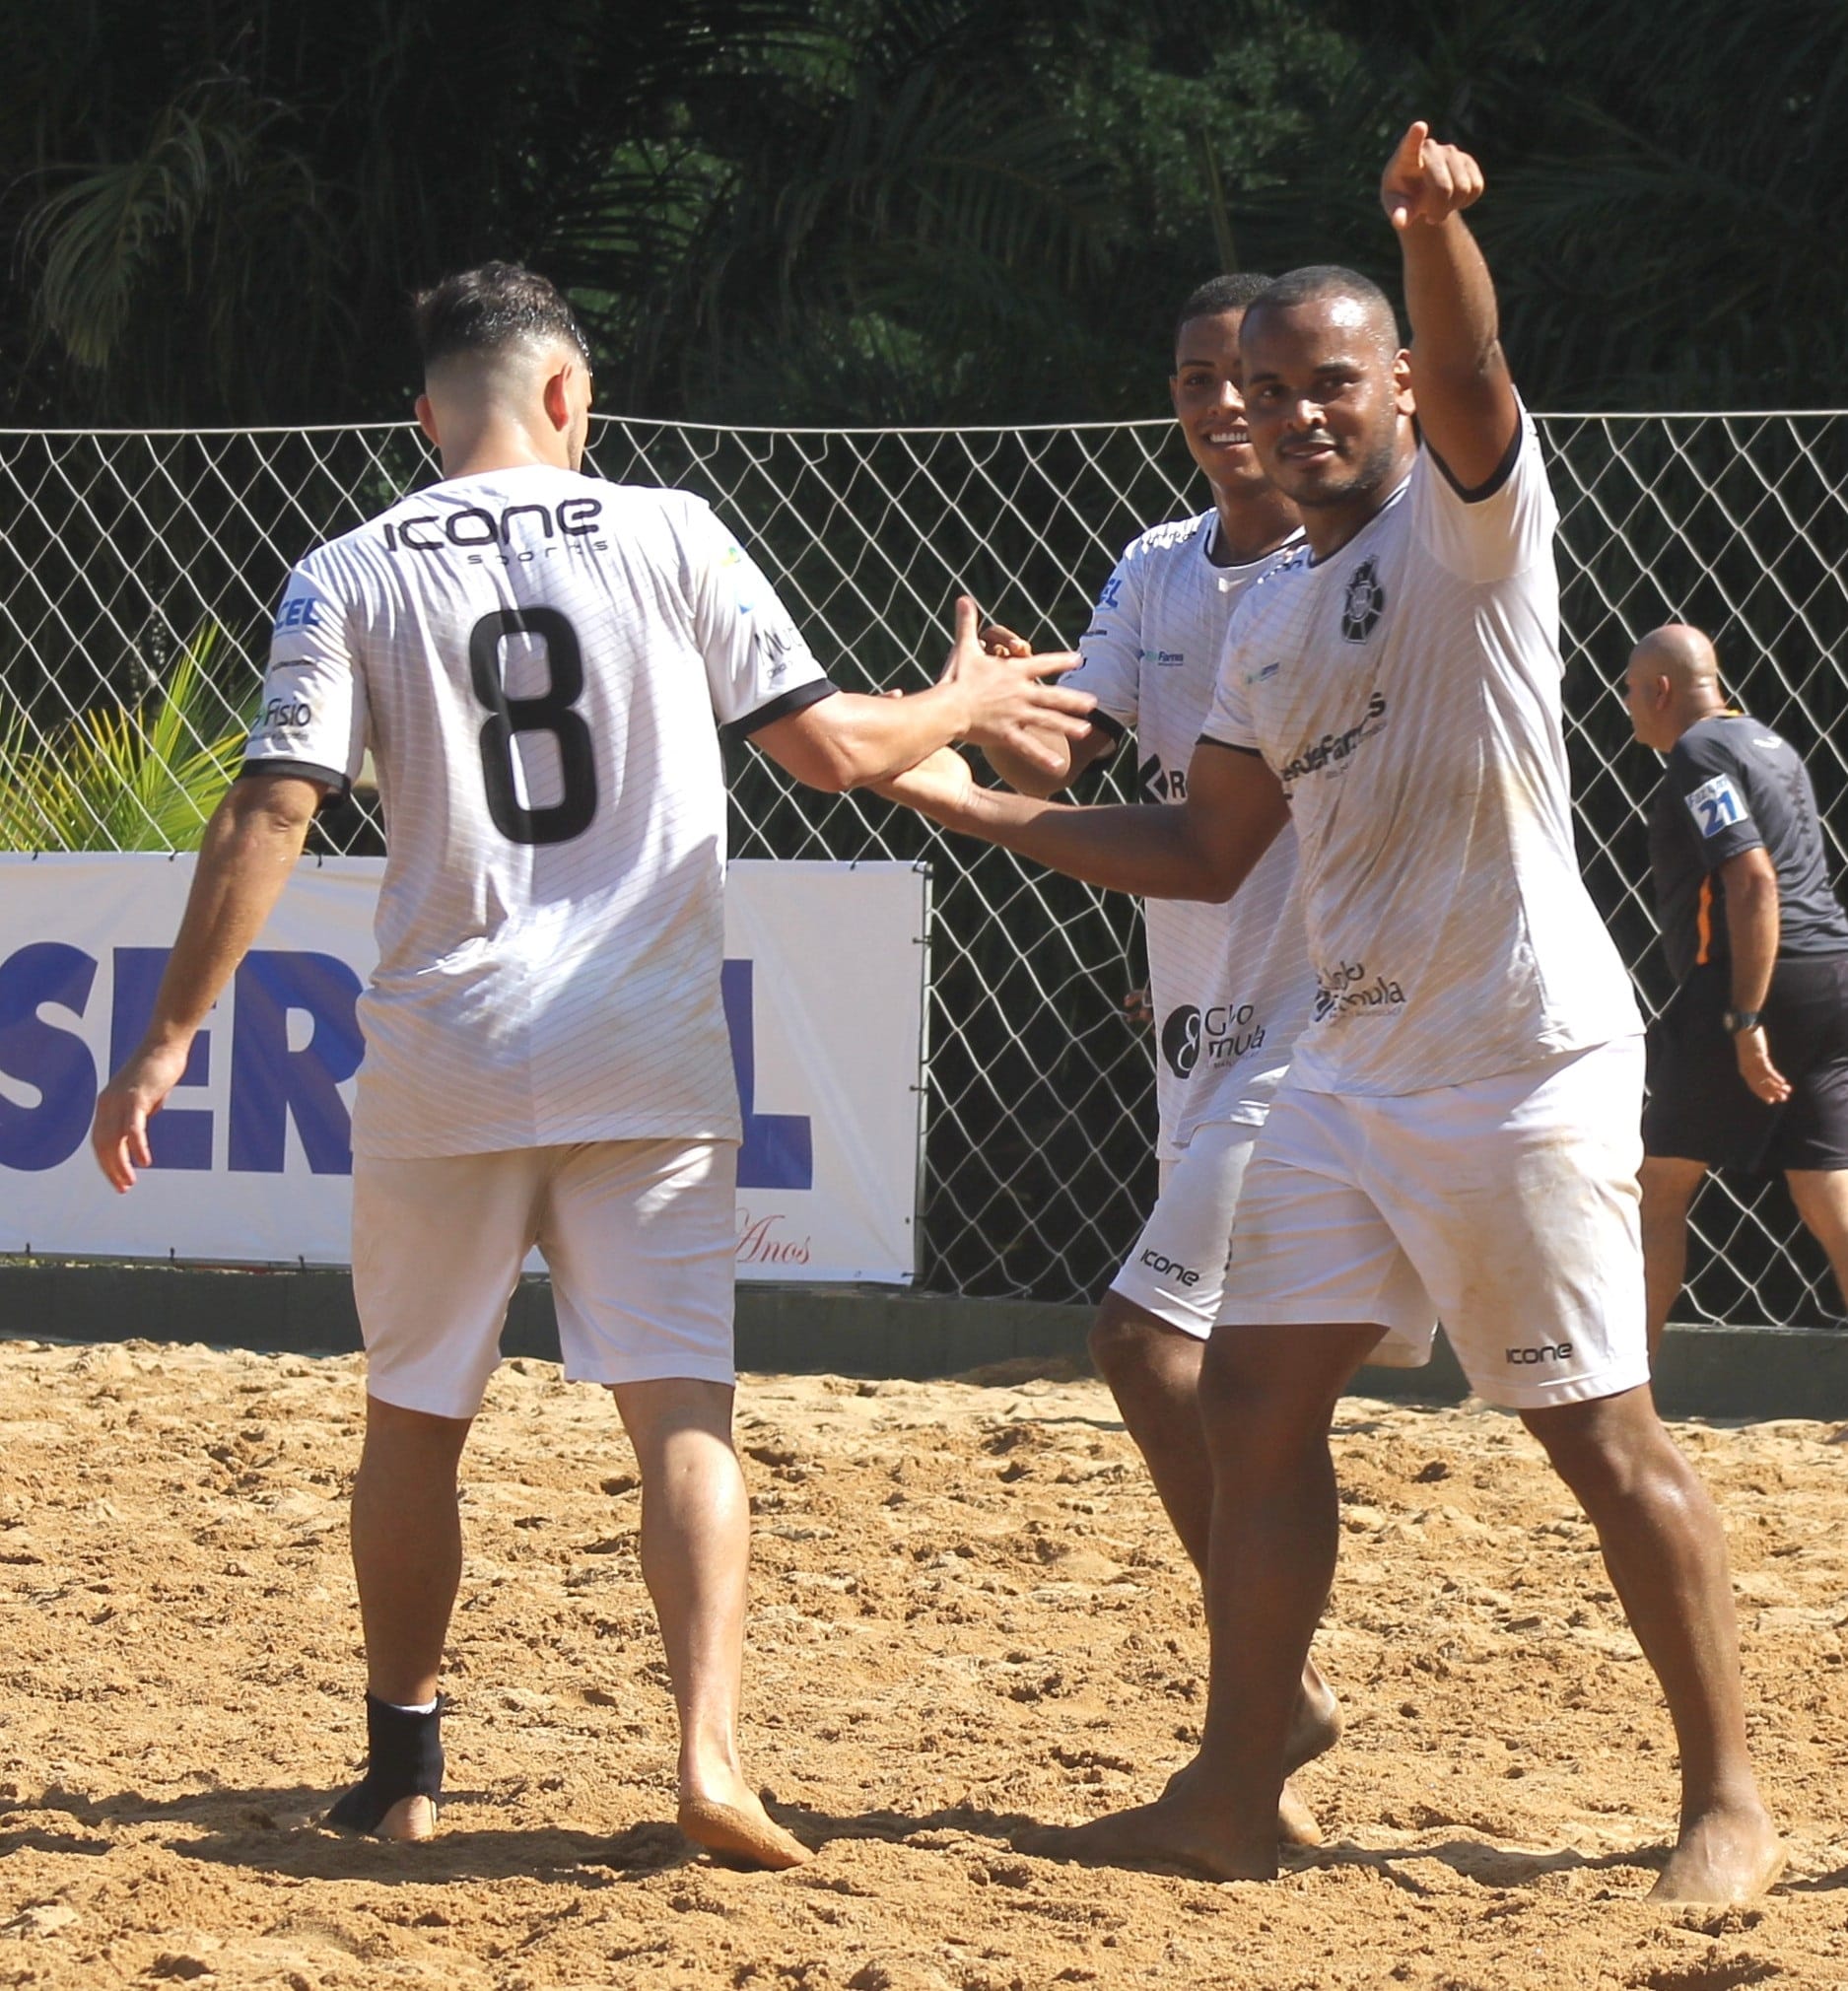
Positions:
{"x": 537, "y": 659}
{"x": 541, "y": 665}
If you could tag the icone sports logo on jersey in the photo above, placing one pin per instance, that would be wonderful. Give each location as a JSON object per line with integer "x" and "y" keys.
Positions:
{"x": 1170, "y": 1268}
{"x": 472, "y": 526}
{"x": 1362, "y": 600}
{"x": 1347, "y": 989}
{"x": 1220, "y": 1033}
{"x": 1333, "y": 750}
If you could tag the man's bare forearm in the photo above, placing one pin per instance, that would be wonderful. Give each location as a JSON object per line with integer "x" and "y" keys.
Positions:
{"x": 1450, "y": 299}
{"x": 1752, "y": 926}
{"x": 247, "y": 855}
{"x": 1157, "y": 851}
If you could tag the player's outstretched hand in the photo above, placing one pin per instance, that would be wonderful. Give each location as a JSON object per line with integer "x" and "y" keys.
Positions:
{"x": 120, "y": 1132}
{"x": 1762, "y": 1078}
{"x": 1001, "y": 641}
{"x": 1007, "y": 702}
{"x": 1425, "y": 182}
{"x": 936, "y": 787}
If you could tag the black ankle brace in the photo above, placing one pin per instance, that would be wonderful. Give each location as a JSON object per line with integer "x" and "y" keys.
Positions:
{"x": 403, "y": 1760}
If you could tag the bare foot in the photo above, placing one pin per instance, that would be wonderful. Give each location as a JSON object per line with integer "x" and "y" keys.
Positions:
{"x": 413, "y": 1817}
{"x": 1724, "y": 1856}
{"x": 740, "y": 1829}
{"x": 1168, "y": 1835}
{"x": 1316, "y": 1724}
{"x": 1297, "y": 1823}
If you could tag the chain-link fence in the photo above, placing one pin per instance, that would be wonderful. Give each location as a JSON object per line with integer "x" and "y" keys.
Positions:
{"x": 138, "y": 571}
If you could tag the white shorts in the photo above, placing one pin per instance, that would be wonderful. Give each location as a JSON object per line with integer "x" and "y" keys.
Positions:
{"x": 639, "y": 1238}
{"x": 1507, "y": 1206}
{"x": 1176, "y": 1269}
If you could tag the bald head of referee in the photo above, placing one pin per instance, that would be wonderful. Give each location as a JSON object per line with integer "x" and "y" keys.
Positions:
{"x": 506, "y": 372}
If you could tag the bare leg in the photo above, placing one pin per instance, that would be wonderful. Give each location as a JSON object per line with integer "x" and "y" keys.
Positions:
{"x": 1666, "y": 1552}
{"x": 695, "y": 1559}
{"x": 1821, "y": 1198}
{"x": 1668, "y": 1186}
{"x": 1267, "y": 1397}
{"x": 1153, "y": 1371}
{"x": 407, "y": 1556}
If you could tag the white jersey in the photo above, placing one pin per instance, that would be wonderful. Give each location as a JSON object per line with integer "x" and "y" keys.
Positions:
{"x": 1406, "y": 691}
{"x": 539, "y": 662}
{"x": 1230, "y": 983}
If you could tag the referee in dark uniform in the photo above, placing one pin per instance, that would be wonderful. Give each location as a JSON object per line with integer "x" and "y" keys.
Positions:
{"x": 1748, "y": 1062}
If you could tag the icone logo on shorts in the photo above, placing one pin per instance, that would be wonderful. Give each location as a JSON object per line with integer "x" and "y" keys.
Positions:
{"x": 1220, "y": 1033}
{"x": 1169, "y": 1267}
{"x": 1555, "y": 1351}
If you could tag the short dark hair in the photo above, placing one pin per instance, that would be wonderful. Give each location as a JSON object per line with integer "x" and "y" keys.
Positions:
{"x": 487, "y": 309}
{"x": 1219, "y": 294}
{"x": 1316, "y": 281}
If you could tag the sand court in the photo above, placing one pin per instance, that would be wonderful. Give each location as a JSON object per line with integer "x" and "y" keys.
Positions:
{"x": 968, "y": 1614}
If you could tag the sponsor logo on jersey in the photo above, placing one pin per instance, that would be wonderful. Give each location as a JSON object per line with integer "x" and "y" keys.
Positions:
{"x": 1362, "y": 599}
{"x": 299, "y": 611}
{"x": 1221, "y": 1034}
{"x": 1166, "y": 658}
{"x": 1160, "y": 784}
{"x": 1169, "y": 1268}
{"x": 473, "y": 526}
{"x": 1263, "y": 676}
{"x": 1347, "y": 989}
{"x": 284, "y": 715}
{"x": 1715, "y": 805}
{"x": 1111, "y": 594}
{"x": 1333, "y": 749}
{"x": 1552, "y": 1351}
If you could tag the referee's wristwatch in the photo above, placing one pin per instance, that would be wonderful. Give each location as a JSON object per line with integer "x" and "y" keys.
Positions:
{"x": 1737, "y": 1021}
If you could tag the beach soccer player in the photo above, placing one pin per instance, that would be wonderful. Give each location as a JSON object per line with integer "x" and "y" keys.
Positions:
{"x": 1230, "y": 985}
{"x": 1458, "y": 1134}
{"x": 542, "y": 666}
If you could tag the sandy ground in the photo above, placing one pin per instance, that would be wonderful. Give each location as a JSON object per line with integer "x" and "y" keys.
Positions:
{"x": 968, "y": 1613}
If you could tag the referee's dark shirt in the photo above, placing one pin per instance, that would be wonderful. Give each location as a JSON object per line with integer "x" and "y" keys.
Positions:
{"x": 1732, "y": 785}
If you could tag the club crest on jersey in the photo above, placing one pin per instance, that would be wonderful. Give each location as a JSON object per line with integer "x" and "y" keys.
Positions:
{"x": 1362, "y": 599}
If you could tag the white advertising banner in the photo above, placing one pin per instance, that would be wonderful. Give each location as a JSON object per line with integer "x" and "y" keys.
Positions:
{"x": 824, "y": 980}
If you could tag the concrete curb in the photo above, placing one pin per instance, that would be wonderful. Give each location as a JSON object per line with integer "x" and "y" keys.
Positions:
{"x": 855, "y": 1330}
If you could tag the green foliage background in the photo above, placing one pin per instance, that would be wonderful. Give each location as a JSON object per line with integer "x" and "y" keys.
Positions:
{"x": 876, "y": 211}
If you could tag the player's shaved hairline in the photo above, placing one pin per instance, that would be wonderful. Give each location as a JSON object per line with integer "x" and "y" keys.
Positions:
{"x": 1318, "y": 282}
{"x": 1236, "y": 291}
{"x": 497, "y": 316}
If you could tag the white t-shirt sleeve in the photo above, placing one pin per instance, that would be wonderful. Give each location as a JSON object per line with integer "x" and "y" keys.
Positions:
{"x": 757, "y": 665}
{"x": 1111, "y": 648}
{"x": 1501, "y": 530}
{"x": 1230, "y": 719}
{"x": 314, "y": 718}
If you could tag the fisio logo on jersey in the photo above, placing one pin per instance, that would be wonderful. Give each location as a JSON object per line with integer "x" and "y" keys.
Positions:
{"x": 1333, "y": 749}
{"x": 288, "y": 713}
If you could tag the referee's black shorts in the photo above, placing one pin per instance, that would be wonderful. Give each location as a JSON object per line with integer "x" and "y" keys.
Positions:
{"x": 1700, "y": 1109}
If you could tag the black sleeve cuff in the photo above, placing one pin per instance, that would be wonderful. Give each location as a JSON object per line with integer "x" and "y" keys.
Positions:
{"x": 332, "y": 780}
{"x": 1497, "y": 477}
{"x": 1113, "y": 730}
{"x": 1231, "y": 746}
{"x": 780, "y": 706}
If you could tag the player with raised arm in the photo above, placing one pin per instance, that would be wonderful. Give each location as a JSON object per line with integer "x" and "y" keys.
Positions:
{"x": 1458, "y": 1132}
{"x": 1231, "y": 985}
{"x": 542, "y": 664}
